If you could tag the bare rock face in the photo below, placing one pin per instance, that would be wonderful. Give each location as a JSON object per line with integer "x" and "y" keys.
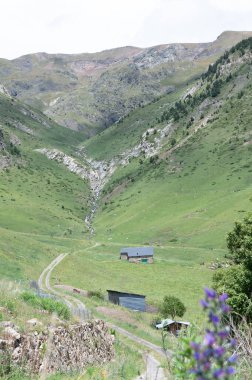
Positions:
{"x": 4, "y": 91}
{"x": 1, "y": 140}
{"x": 33, "y": 322}
{"x": 62, "y": 349}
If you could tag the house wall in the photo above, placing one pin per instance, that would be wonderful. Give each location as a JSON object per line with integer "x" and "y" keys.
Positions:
{"x": 139, "y": 259}
{"x": 175, "y": 327}
{"x": 114, "y": 298}
{"x": 124, "y": 256}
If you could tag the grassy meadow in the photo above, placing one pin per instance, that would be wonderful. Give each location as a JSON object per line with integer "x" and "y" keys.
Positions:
{"x": 184, "y": 204}
{"x": 175, "y": 271}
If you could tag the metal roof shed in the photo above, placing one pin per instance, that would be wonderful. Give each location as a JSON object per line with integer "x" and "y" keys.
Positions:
{"x": 129, "y": 300}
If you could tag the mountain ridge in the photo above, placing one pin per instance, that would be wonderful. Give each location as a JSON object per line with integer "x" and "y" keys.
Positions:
{"x": 91, "y": 91}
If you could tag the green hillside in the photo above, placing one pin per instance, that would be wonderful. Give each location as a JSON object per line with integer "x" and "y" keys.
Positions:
{"x": 42, "y": 204}
{"x": 182, "y": 200}
{"x": 201, "y": 180}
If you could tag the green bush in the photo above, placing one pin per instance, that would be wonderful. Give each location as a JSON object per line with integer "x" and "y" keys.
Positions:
{"x": 172, "y": 307}
{"x": 96, "y": 293}
{"x": 48, "y": 304}
{"x": 239, "y": 242}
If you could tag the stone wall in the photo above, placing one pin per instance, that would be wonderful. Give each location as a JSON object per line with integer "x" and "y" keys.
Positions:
{"x": 61, "y": 349}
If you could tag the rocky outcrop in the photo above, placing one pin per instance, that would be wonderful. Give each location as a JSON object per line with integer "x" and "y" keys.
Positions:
{"x": 61, "y": 349}
{"x": 97, "y": 173}
{"x": 4, "y": 91}
{"x": 1, "y": 140}
{"x": 23, "y": 128}
{"x": 94, "y": 176}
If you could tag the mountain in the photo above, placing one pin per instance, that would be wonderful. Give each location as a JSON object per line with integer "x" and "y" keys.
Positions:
{"x": 177, "y": 175}
{"x": 185, "y": 161}
{"x": 92, "y": 91}
{"x": 174, "y": 174}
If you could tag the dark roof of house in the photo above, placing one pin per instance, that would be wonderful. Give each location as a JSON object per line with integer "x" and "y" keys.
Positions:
{"x": 124, "y": 293}
{"x": 138, "y": 251}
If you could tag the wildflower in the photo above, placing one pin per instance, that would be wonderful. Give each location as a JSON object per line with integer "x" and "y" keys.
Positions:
{"x": 232, "y": 358}
{"x": 195, "y": 345}
{"x": 233, "y": 342}
{"x": 214, "y": 318}
{"x": 223, "y": 297}
{"x": 225, "y": 308}
{"x": 212, "y": 356}
{"x": 223, "y": 334}
{"x": 204, "y": 304}
{"x": 218, "y": 373}
{"x": 209, "y": 339}
{"x": 210, "y": 293}
{"x": 230, "y": 371}
{"x": 219, "y": 351}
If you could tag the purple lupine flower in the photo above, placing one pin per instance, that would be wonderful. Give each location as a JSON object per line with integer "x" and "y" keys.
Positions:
{"x": 232, "y": 358}
{"x": 204, "y": 304}
{"x": 219, "y": 351}
{"x": 206, "y": 366}
{"x": 233, "y": 342}
{"x": 230, "y": 371}
{"x": 195, "y": 346}
{"x": 209, "y": 339}
{"x": 213, "y": 356}
{"x": 223, "y": 334}
{"x": 197, "y": 356}
{"x": 225, "y": 308}
{"x": 223, "y": 297}
{"x": 207, "y": 352}
{"x": 210, "y": 293}
{"x": 218, "y": 373}
{"x": 214, "y": 318}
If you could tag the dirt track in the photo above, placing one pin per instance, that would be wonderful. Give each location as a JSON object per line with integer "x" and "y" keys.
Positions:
{"x": 77, "y": 308}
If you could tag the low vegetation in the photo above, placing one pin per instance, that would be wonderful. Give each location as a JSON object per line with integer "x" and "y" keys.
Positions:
{"x": 46, "y": 303}
{"x": 237, "y": 279}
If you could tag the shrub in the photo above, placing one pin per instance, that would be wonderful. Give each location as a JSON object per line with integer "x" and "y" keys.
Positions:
{"x": 239, "y": 242}
{"x": 96, "y": 293}
{"x": 172, "y": 306}
{"x": 173, "y": 141}
{"x": 237, "y": 282}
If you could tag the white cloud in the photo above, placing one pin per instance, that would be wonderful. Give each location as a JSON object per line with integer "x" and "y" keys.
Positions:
{"x": 240, "y": 6}
{"x": 72, "y": 26}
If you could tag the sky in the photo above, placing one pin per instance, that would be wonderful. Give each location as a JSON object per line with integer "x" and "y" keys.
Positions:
{"x": 78, "y": 26}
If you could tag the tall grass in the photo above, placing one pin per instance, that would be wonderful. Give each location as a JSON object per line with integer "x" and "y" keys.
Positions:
{"x": 243, "y": 336}
{"x": 48, "y": 304}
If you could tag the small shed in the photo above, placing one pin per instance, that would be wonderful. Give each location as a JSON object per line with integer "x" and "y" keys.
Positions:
{"x": 137, "y": 254}
{"x": 172, "y": 326}
{"x": 129, "y": 300}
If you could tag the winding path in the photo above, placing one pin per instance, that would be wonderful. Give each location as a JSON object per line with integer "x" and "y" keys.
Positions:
{"x": 76, "y": 307}
{"x": 154, "y": 371}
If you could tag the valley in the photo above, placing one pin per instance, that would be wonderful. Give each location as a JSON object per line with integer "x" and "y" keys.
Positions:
{"x": 173, "y": 171}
